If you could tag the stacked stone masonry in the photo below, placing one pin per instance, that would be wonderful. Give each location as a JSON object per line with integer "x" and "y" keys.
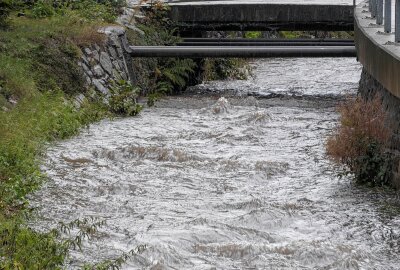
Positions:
{"x": 106, "y": 64}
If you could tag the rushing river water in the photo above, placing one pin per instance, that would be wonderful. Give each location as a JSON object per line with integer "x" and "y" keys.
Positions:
{"x": 219, "y": 179}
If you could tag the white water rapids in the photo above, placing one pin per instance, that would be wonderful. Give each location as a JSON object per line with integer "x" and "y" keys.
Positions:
{"x": 219, "y": 179}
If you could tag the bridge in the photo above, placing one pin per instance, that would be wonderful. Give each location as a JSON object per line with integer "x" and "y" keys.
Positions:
{"x": 193, "y": 18}
{"x": 376, "y": 40}
{"x": 263, "y": 15}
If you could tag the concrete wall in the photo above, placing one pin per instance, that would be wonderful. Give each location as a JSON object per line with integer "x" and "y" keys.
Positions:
{"x": 261, "y": 16}
{"x": 377, "y": 59}
{"x": 380, "y": 76}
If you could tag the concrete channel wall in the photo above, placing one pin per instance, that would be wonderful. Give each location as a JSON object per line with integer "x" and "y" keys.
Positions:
{"x": 376, "y": 52}
{"x": 381, "y": 60}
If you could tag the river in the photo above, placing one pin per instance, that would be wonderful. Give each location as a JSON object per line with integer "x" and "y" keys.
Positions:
{"x": 231, "y": 175}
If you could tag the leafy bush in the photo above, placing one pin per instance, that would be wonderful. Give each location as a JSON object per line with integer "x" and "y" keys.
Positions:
{"x": 24, "y": 248}
{"x": 173, "y": 74}
{"x": 226, "y": 68}
{"x": 123, "y": 99}
{"x": 253, "y": 34}
{"x": 168, "y": 75}
{"x": 43, "y": 9}
{"x": 361, "y": 139}
{"x": 5, "y": 6}
{"x": 118, "y": 262}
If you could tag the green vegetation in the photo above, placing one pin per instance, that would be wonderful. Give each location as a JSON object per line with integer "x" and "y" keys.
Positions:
{"x": 5, "y": 6}
{"x": 361, "y": 140}
{"x": 226, "y": 68}
{"x": 158, "y": 77}
{"x": 39, "y": 77}
{"x": 316, "y": 34}
{"x": 291, "y": 34}
{"x": 253, "y": 34}
{"x": 123, "y": 99}
{"x": 116, "y": 263}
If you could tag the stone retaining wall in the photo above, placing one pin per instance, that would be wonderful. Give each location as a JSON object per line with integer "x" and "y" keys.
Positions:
{"x": 107, "y": 63}
{"x": 368, "y": 88}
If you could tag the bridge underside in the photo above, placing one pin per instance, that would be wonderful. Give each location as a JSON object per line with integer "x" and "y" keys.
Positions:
{"x": 263, "y": 16}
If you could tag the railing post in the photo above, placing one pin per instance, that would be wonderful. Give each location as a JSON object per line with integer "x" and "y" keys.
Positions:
{"x": 373, "y": 8}
{"x": 397, "y": 21}
{"x": 379, "y": 14}
{"x": 388, "y": 16}
{"x": 370, "y": 5}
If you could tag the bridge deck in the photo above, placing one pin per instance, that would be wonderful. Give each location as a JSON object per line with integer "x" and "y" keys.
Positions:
{"x": 263, "y": 15}
{"x": 265, "y": 2}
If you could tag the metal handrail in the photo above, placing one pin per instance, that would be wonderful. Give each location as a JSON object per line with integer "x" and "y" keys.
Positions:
{"x": 382, "y": 11}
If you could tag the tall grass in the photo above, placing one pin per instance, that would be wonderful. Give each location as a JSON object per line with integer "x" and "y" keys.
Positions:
{"x": 361, "y": 139}
{"x": 38, "y": 70}
{"x": 23, "y": 133}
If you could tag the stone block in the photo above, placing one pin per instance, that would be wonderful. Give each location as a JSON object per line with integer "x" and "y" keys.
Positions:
{"x": 85, "y": 60}
{"x": 89, "y": 73}
{"x": 117, "y": 66}
{"x": 88, "y": 80}
{"x": 105, "y": 62}
{"x": 120, "y": 52}
{"x": 87, "y": 51}
{"x": 97, "y": 47}
{"x": 96, "y": 56}
{"x": 100, "y": 87}
{"x": 121, "y": 64}
{"x": 79, "y": 99}
{"x": 113, "y": 52}
{"x": 98, "y": 71}
{"x": 116, "y": 75}
{"x": 112, "y": 30}
{"x": 137, "y": 30}
{"x": 124, "y": 76}
{"x": 85, "y": 67}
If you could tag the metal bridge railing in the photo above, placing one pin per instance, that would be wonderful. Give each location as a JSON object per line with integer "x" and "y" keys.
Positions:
{"x": 382, "y": 11}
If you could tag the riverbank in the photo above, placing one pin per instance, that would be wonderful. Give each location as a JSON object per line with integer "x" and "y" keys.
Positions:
{"x": 39, "y": 78}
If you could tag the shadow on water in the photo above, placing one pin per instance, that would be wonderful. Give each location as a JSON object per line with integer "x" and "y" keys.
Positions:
{"x": 220, "y": 179}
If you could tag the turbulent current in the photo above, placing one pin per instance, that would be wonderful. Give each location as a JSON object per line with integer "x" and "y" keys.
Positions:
{"x": 231, "y": 175}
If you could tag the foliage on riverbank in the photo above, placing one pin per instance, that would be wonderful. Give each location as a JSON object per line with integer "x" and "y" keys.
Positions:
{"x": 39, "y": 77}
{"x": 226, "y": 68}
{"x": 157, "y": 77}
{"x": 317, "y": 34}
{"x": 361, "y": 140}
{"x": 161, "y": 76}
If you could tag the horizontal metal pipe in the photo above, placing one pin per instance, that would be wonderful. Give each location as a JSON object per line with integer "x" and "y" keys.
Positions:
{"x": 241, "y": 52}
{"x": 265, "y": 44}
{"x": 266, "y": 40}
